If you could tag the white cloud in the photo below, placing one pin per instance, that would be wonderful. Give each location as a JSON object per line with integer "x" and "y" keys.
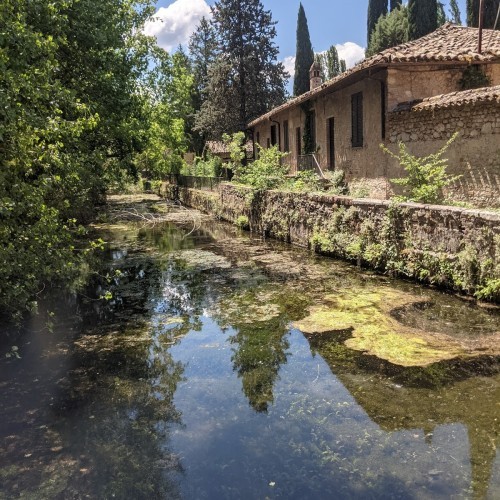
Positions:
{"x": 289, "y": 63}
{"x": 351, "y": 52}
{"x": 173, "y": 25}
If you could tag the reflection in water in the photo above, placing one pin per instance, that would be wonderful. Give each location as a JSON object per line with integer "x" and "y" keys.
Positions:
{"x": 190, "y": 383}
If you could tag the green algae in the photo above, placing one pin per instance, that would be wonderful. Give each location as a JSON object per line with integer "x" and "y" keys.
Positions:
{"x": 373, "y": 331}
{"x": 202, "y": 260}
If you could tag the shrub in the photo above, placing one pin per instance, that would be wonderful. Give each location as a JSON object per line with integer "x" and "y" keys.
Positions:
{"x": 426, "y": 176}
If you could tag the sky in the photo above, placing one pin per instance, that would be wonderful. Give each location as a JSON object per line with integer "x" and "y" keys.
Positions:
{"x": 331, "y": 22}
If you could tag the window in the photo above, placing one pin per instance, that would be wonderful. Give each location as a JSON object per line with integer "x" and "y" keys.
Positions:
{"x": 286, "y": 139}
{"x": 273, "y": 135}
{"x": 330, "y": 138}
{"x": 382, "y": 107}
{"x": 298, "y": 141}
{"x": 357, "y": 120}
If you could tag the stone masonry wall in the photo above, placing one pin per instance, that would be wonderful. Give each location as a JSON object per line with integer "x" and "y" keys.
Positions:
{"x": 447, "y": 246}
{"x": 475, "y": 154}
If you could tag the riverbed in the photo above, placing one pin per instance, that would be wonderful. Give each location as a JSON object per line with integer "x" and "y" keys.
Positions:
{"x": 202, "y": 362}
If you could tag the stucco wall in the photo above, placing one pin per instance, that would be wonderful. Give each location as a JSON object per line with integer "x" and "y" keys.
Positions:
{"x": 366, "y": 162}
{"x": 367, "y": 167}
{"x": 447, "y": 246}
{"x": 475, "y": 154}
{"x": 411, "y": 82}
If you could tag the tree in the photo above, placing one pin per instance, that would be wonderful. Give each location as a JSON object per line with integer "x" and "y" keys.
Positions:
{"x": 489, "y": 14}
{"x": 423, "y": 18}
{"x": 394, "y": 4}
{"x": 203, "y": 51}
{"x": 71, "y": 118}
{"x": 169, "y": 107}
{"x": 304, "y": 55}
{"x": 376, "y": 8}
{"x": 441, "y": 15}
{"x": 390, "y": 30}
{"x": 246, "y": 80}
{"x": 455, "y": 16}
{"x": 330, "y": 63}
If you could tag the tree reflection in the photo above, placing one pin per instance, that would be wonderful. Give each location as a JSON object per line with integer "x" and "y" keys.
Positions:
{"x": 260, "y": 350}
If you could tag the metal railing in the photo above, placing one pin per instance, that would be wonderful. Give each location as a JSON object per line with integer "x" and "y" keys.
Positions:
{"x": 310, "y": 162}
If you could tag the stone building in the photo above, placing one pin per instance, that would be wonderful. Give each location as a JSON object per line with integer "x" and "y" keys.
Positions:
{"x": 412, "y": 93}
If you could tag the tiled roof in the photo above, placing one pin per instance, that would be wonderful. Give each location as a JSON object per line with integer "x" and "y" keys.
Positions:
{"x": 486, "y": 94}
{"x": 449, "y": 43}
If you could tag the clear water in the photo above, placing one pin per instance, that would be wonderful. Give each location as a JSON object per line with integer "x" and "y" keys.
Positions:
{"x": 192, "y": 383}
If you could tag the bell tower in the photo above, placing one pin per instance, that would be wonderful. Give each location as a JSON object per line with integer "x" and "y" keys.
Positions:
{"x": 315, "y": 75}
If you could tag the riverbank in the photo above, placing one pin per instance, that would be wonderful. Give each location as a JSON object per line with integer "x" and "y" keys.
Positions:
{"x": 449, "y": 247}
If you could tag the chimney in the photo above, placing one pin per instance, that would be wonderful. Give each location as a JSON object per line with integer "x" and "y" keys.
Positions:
{"x": 315, "y": 75}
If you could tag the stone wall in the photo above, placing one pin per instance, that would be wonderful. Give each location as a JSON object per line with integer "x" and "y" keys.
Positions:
{"x": 446, "y": 246}
{"x": 475, "y": 155}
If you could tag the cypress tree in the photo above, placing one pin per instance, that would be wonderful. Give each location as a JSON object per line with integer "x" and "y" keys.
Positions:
{"x": 395, "y": 3}
{"x": 423, "y": 17}
{"x": 455, "y": 12}
{"x": 376, "y": 8}
{"x": 489, "y": 15}
{"x": 390, "y": 30}
{"x": 441, "y": 15}
{"x": 304, "y": 56}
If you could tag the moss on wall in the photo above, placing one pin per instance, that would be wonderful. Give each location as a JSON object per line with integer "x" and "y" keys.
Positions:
{"x": 449, "y": 247}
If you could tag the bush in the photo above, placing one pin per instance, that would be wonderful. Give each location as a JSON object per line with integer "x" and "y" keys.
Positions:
{"x": 267, "y": 172}
{"x": 426, "y": 175}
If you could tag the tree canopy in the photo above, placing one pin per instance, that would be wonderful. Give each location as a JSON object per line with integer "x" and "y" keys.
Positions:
{"x": 75, "y": 116}
{"x": 245, "y": 80}
{"x": 390, "y": 30}
{"x": 489, "y": 14}
{"x": 304, "y": 55}
{"x": 423, "y": 17}
{"x": 376, "y": 9}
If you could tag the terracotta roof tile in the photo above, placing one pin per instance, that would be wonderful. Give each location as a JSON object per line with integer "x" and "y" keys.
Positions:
{"x": 448, "y": 43}
{"x": 454, "y": 99}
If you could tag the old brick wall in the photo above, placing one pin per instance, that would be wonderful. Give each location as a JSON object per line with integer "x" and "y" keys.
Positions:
{"x": 448, "y": 246}
{"x": 475, "y": 154}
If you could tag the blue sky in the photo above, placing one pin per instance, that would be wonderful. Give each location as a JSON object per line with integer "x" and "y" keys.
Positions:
{"x": 331, "y": 22}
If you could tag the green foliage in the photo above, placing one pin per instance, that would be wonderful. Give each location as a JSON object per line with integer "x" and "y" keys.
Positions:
{"x": 203, "y": 51}
{"x": 72, "y": 120}
{"x": 390, "y": 30}
{"x": 423, "y": 17}
{"x": 304, "y": 55}
{"x": 242, "y": 222}
{"x": 395, "y": 4}
{"x": 211, "y": 166}
{"x": 489, "y": 291}
{"x": 246, "y": 80}
{"x": 455, "y": 16}
{"x": 266, "y": 172}
{"x": 330, "y": 63}
{"x": 474, "y": 77}
{"x": 304, "y": 181}
{"x": 441, "y": 16}
{"x": 489, "y": 16}
{"x": 426, "y": 176}
{"x": 376, "y": 8}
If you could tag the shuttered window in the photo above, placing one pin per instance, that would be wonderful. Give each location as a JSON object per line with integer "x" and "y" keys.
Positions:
{"x": 357, "y": 120}
{"x": 286, "y": 138}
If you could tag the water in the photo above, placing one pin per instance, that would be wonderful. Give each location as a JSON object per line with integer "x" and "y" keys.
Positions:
{"x": 193, "y": 381}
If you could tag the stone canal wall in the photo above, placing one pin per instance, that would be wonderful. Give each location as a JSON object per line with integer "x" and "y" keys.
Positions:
{"x": 450, "y": 247}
